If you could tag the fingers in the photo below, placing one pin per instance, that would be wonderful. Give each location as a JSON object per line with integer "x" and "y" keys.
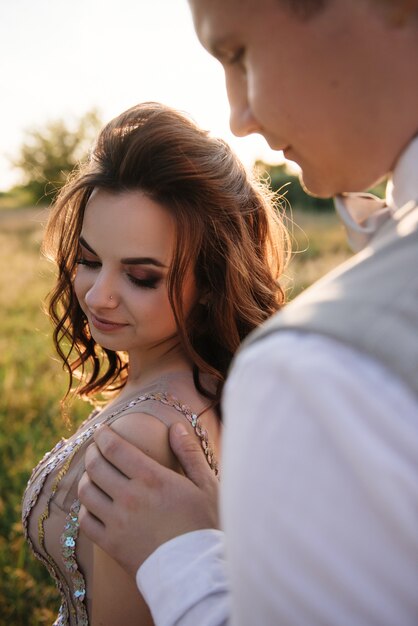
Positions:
{"x": 189, "y": 452}
{"x": 124, "y": 456}
{"x": 92, "y": 527}
{"x": 102, "y": 473}
{"x": 93, "y": 498}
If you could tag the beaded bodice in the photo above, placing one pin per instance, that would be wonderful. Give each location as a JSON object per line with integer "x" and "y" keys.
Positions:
{"x": 51, "y": 506}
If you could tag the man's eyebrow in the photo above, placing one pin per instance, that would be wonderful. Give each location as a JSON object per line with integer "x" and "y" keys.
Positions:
{"x": 143, "y": 260}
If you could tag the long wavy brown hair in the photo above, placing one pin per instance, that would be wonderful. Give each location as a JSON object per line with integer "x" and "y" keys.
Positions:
{"x": 227, "y": 227}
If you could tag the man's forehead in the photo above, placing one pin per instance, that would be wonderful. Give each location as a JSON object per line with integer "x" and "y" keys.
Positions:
{"x": 217, "y": 21}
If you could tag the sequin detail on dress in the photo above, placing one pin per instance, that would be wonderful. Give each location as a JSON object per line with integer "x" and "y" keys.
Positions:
{"x": 68, "y": 544}
{"x": 73, "y": 610}
{"x": 63, "y": 452}
{"x": 62, "y": 617}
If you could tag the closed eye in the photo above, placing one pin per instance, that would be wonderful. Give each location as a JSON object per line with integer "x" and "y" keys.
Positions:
{"x": 88, "y": 263}
{"x": 145, "y": 283}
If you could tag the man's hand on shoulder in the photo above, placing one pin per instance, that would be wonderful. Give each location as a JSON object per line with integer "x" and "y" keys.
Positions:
{"x": 131, "y": 504}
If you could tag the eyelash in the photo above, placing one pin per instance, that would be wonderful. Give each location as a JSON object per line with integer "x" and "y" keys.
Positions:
{"x": 91, "y": 264}
{"x": 145, "y": 283}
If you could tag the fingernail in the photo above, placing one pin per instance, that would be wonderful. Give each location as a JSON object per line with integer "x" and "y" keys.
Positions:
{"x": 180, "y": 429}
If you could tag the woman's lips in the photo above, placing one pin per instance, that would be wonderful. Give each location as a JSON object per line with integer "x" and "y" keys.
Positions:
{"x": 105, "y": 325}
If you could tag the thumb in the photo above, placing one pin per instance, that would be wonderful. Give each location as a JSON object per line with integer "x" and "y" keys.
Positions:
{"x": 190, "y": 454}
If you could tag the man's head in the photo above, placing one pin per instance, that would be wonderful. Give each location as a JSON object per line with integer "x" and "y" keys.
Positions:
{"x": 330, "y": 82}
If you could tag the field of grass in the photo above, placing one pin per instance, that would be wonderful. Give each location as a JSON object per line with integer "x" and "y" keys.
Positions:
{"x": 319, "y": 244}
{"x": 32, "y": 383}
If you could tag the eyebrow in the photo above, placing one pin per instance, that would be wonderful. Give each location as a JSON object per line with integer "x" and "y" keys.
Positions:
{"x": 143, "y": 260}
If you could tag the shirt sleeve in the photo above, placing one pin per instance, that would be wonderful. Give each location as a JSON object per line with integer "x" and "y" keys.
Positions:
{"x": 319, "y": 499}
{"x": 184, "y": 581}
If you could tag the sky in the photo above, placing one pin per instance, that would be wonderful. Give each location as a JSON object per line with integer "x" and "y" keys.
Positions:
{"x": 59, "y": 59}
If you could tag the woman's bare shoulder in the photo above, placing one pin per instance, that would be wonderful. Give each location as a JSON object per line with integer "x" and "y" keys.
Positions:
{"x": 149, "y": 434}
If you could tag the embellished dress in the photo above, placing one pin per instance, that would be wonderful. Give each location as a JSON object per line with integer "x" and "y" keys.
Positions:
{"x": 51, "y": 506}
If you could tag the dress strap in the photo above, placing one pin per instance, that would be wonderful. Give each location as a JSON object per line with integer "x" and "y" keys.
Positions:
{"x": 192, "y": 418}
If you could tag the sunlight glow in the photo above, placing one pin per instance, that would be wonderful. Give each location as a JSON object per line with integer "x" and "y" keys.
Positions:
{"x": 60, "y": 59}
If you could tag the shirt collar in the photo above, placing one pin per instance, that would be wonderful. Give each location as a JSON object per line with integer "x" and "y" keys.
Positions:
{"x": 403, "y": 184}
{"x": 362, "y": 213}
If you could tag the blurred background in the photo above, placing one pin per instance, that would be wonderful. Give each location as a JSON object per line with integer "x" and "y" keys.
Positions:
{"x": 59, "y": 61}
{"x": 65, "y": 69}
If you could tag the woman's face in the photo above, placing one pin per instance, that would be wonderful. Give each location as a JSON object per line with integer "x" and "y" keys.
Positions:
{"x": 126, "y": 247}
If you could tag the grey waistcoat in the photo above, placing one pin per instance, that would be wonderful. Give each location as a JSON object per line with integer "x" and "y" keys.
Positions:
{"x": 370, "y": 302}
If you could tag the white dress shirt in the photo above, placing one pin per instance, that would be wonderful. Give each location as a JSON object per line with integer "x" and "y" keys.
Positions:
{"x": 319, "y": 495}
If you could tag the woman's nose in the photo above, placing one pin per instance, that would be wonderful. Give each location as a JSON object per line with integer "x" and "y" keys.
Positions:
{"x": 102, "y": 294}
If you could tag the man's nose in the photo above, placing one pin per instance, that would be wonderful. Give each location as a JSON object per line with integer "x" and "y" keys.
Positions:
{"x": 242, "y": 121}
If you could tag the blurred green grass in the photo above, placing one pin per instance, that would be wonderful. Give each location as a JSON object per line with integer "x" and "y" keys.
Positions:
{"x": 32, "y": 384}
{"x": 318, "y": 244}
